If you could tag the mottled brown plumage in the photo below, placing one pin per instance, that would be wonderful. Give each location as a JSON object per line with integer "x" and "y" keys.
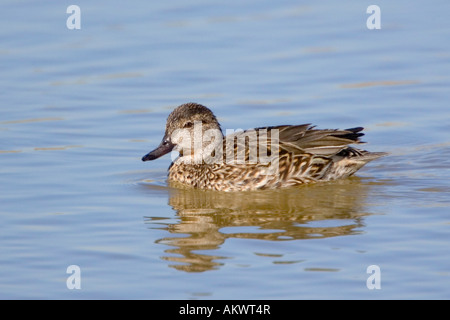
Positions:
{"x": 261, "y": 158}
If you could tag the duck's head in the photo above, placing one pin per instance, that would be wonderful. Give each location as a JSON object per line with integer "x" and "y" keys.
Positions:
{"x": 186, "y": 129}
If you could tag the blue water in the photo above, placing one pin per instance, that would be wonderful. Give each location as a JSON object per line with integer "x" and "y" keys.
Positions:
{"x": 79, "y": 108}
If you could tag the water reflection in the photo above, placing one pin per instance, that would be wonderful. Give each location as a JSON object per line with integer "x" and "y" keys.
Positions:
{"x": 206, "y": 219}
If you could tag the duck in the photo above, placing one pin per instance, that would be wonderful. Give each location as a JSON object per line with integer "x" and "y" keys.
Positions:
{"x": 261, "y": 158}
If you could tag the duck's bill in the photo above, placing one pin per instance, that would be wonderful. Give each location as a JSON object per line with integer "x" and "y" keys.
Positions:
{"x": 164, "y": 148}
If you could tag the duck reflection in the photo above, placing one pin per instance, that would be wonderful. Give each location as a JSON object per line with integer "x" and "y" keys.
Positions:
{"x": 207, "y": 218}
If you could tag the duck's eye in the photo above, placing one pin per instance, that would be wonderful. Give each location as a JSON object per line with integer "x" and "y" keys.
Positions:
{"x": 188, "y": 125}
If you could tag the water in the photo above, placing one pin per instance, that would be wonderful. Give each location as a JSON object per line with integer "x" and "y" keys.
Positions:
{"x": 79, "y": 108}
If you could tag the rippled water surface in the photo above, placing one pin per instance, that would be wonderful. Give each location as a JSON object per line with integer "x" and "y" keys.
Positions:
{"x": 79, "y": 108}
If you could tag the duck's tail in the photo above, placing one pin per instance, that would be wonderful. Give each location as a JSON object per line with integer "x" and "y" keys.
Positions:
{"x": 350, "y": 160}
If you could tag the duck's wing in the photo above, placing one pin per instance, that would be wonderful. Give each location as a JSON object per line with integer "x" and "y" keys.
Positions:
{"x": 306, "y": 139}
{"x": 304, "y": 154}
{"x": 294, "y": 139}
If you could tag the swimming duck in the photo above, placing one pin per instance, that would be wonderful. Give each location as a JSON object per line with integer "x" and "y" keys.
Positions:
{"x": 260, "y": 158}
